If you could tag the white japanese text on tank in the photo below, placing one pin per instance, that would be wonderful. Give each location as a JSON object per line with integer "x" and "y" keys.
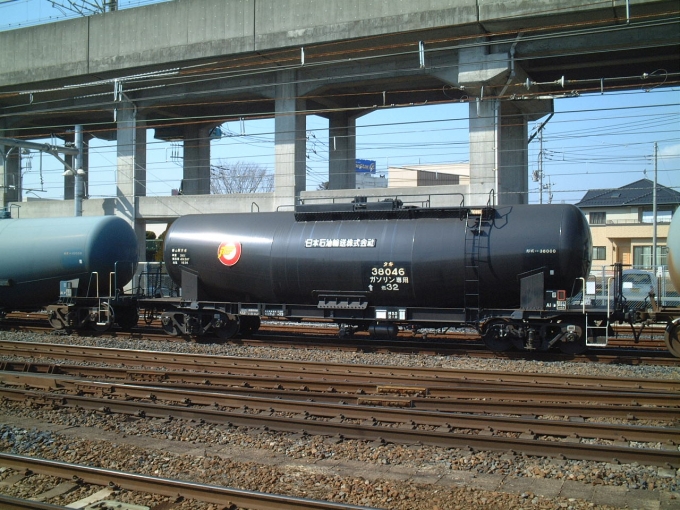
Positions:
{"x": 340, "y": 243}
{"x": 180, "y": 256}
{"x": 389, "y": 277}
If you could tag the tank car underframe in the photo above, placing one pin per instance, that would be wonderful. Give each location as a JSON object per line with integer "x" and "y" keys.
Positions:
{"x": 501, "y": 330}
{"x": 668, "y": 315}
{"x": 98, "y": 314}
{"x": 541, "y": 331}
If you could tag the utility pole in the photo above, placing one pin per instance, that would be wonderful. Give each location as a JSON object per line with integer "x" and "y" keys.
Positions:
{"x": 654, "y": 241}
{"x": 43, "y": 147}
{"x": 540, "y": 164}
{"x": 538, "y": 175}
{"x": 79, "y": 192}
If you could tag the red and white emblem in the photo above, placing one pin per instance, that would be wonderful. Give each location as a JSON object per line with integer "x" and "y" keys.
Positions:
{"x": 229, "y": 252}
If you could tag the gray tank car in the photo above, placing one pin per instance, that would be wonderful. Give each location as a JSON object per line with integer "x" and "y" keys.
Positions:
{"x": 43, "y": 258}
{"x": 672, "y": 316}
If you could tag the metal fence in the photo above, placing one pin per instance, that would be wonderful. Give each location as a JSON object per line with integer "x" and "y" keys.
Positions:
{"x": 637, "y": 283}
{"x": 151, "y": 280}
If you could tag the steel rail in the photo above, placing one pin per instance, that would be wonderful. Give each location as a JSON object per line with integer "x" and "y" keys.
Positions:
{"x": 48, "y": 376}
{"x": 368, "y": 430}
{"x": 618, "y": 351}
{"x": 460, "y": 405}
{"x": 167, "y": 487}
{"x": 10, "y": 503}
{"x": 357, "y": 384}
{"x": 381, "y": 411}
{"x": 230, "y": 364}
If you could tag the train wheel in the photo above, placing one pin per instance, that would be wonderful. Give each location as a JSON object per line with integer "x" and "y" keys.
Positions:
{"x": 672, "y": 337}
{"x": 225, "y": 327}
{"x": 495, "y": 337}
{"x": 55, "y": 321}
{"x": 574, "y": 339}
{"x": 249, "y": 324}
{"x": 168, "y": 323}
{"x": 126, "y": 317}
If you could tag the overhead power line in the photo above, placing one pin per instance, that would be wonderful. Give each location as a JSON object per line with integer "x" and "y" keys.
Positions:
{"x": 85, "y": 7}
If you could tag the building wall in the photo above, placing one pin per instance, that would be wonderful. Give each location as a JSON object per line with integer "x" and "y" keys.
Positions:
{"x": 622, "y": 233}
{"x": 429, "y": 175}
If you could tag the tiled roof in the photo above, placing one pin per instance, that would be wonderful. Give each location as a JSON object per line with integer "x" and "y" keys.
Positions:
{"x": 636, "y": 193}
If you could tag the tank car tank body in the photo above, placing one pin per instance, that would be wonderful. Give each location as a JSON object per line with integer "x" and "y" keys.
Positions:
{"x": 377, "y": 269}
{"x": 673, "y": 244}
{"x": 37, "y": 254}
{"x": 672, "y": 316}
{"x": 417, "y": 261}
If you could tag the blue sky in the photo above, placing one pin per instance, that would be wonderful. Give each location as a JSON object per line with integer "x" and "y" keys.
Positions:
{"x": 592, "y": 141}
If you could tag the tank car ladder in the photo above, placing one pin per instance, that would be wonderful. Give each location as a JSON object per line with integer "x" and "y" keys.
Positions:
{"x": 477, "y": 226}
{"x": 597, "y": 334}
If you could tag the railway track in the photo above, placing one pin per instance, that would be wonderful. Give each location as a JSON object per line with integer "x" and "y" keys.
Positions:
{"x": 569, "y": 418}
{"x": 105, "y": 482}
{"x": 445, "y": 408}
{"x": 650, "y": 349}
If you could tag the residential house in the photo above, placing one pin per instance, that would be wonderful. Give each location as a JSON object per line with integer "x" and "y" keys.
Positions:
{"x": 621, "y": 222}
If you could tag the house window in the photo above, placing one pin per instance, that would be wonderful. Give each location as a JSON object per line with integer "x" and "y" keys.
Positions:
{"x": 597, "y": 218}
{"x": 642, "y": 256}
{"x": 599, "y": 253}
{"x": 647, "y": 216}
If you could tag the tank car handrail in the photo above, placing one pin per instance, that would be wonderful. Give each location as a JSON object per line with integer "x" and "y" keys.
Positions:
{"x": 583, "y": 293}
{"x": 96, "y": 275}
{"x": 609, "y": 296}
{"x": 491, "y": 202}
{"x": 426, "y": 201}
{"x": 254, "y": 204}
{"x": 113, "y": 278}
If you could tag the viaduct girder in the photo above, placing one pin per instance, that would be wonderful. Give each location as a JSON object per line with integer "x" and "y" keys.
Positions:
{"x": 358, "y": 64}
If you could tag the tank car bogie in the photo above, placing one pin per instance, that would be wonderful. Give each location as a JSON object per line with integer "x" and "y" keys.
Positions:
{"x": 672, "y": 337}
{"x": 203, "y": 322}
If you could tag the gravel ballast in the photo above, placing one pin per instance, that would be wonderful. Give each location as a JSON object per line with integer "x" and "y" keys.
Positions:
{"x": 350, "y": 471}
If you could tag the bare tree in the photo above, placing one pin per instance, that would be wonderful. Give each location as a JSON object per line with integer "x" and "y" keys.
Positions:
{"x": 240, "y": 177}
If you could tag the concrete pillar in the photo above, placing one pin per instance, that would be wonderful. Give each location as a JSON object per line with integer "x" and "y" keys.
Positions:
{"x": 499, "y": 156}
{"x": 10, "y": 170}
{"x": 342, "y": 148}
{"x": 498, "y": 128}
{"x": 131, "y": 170}
{"x": 290, "y": 141}
{"x": 196, "y": 177}
{"x": 513, "y": 174}
{"x": 2, "y": 178}
{"x": 12, "y": 175}
{"x": 484, "y": 133}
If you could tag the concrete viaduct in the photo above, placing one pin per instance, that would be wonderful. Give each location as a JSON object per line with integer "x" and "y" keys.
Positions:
{"x": 183, "y": 67}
